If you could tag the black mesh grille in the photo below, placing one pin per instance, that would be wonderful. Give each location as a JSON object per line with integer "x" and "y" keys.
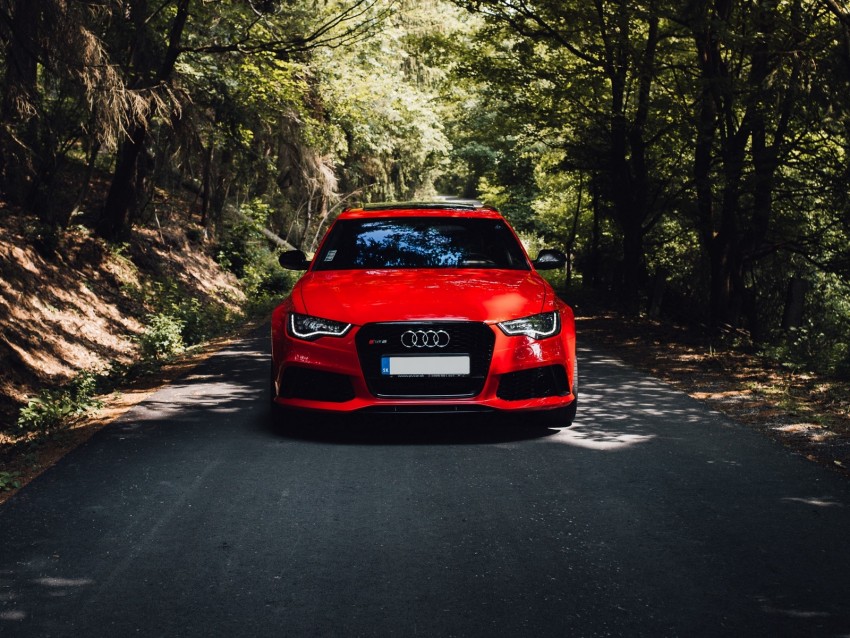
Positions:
{"x": 315, "y": 385}
{"x": 549, "y": 381}
{"x": 377, "y": 340}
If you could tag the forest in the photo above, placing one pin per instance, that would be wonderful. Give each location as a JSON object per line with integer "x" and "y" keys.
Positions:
{"x": 692, "y": 158}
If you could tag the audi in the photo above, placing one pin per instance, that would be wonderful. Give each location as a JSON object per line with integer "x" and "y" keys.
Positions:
{"x": 424, "y": 307}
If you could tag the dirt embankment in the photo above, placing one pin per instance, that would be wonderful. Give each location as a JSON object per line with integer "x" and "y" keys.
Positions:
{"x": 72, "y": 302}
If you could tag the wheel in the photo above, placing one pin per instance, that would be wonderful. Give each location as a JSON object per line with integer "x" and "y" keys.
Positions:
{"x": 570, "y": 413}
{"x": 275, "y": 409}
{"x": 560, "y": 417}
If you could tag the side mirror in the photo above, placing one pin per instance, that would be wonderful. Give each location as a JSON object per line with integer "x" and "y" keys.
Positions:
{"x": 294, "y": 260}
{"x": 550, "y": 259}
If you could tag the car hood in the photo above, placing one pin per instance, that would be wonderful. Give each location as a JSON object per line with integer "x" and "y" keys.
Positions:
{"x": 365, "y": 296}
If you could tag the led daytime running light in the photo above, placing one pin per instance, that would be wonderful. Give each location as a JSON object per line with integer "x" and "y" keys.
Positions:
{"x": 541, "y": 326}
{"x": 311, "y": 328}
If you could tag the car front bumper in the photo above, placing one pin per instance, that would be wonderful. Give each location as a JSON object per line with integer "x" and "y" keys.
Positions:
{"x": 521, "y": 374}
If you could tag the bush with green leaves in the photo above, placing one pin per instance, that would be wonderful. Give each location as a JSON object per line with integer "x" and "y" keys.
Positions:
{"x": 200, "y": 319}
{"x": 246, "y": 252}
{"x": 242, "y": 242}
{"x": 51, "y": 409}
{"x": 264, "y": 277}
{"x": 9, "y": 481}
{"x": 162, "y": 338}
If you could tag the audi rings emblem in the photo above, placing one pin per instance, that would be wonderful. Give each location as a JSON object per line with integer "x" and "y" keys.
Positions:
{"x": 425, "y": 339}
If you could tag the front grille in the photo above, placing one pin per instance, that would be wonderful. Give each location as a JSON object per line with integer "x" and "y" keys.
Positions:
{"x": 315, "y": 385}
{"x": 549, "y": 381}
{"x": 377, "y": 340}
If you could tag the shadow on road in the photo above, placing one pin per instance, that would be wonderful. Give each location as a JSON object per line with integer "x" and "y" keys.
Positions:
{"x": 405, "y": 429}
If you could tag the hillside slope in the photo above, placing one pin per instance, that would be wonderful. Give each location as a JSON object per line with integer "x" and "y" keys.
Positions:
{"x": 73, "y": 303}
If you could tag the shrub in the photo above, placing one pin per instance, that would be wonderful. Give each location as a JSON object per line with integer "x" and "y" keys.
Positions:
{"x": 51, "y": 409}
{"x": 246, "y": 252}
{"x": 9, "y": 481}
{"x": 822, "y": 343}
{"x": 162, "y": 338}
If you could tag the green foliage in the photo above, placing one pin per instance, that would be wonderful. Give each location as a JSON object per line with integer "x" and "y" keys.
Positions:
{"x": 822, "y": 343}
{"x": 51, "y": 409}
{"x": 264, "y": 277}
{"x": 9, "y": 481}
{"x": 247, "y": 252}
{"x": 199, "y": 320}
{"x": 162, "y": 338}
{"x": 602, "y": 128}
{"x": 242, "y": 242}
{"x": 383, "y": 115}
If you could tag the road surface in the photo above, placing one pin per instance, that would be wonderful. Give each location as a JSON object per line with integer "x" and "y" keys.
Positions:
{"x": 651, "y": 516}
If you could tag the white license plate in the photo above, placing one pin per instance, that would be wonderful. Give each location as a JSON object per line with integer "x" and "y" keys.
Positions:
{"x": 447, "y": 366}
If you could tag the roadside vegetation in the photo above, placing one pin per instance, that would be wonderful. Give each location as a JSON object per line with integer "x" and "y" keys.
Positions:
{"x": 690, "y": 158}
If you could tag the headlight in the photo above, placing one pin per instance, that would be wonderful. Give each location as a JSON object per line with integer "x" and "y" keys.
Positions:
{"x": 547, "y": 324}
{"x": 311, "y": 328}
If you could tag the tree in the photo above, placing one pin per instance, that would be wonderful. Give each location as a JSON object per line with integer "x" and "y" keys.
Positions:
{"x": 159, "y": 35}
{"x": 750, "y": 121}
{"x": 593, "y": 67}
{"x": 58, "y": 88}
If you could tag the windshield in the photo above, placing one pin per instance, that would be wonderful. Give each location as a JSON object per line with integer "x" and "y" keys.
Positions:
{"x": 421, "y": 242}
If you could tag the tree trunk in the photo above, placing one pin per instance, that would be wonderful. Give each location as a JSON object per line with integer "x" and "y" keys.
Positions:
{"x": 123, "y": 192}
{"x": 792, "y": 317}
{"x": 17, "y": 134}
{"x": 206, "y": 187}
{"x": 717, "y": 112}
{"x": 628, "y": 149}
{"x": 571, "y": 240}
{"x": 84, "y": 188}
{"x": 727, "y": 260}
{"x": 595, "y": 235}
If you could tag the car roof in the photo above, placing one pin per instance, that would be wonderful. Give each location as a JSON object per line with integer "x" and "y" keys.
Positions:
{"x": 448, "y": 208}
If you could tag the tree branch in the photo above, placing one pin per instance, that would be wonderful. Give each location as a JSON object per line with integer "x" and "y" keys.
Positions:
{"x": 320, "y": 37}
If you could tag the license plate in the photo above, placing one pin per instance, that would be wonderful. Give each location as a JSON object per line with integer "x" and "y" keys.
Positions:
{"x": 445, "y": 366}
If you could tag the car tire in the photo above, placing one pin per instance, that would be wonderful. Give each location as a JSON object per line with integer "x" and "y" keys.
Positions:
{"x": 275, "y": 409}
{"x": 561, "y": 417}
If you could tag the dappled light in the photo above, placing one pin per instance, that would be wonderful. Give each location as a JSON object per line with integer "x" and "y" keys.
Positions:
{"x": 815, "y": 501}
{"x": 220, "y": 389}
{"x": 21, "y": 600}
{"x": 82, "y": 310}
{"x": 689, "y": 159}
{"x": 600, "y": 440}
{"x": 800, "y": 410}
{"x": 619, "y": 409}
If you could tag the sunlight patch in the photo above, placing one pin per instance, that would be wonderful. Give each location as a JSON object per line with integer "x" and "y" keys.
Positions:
{"x": 63, "y": 582}
{"x": 599, "y": 440}
{"x": 817, "y": 502}
{"x": 14, "y": 615}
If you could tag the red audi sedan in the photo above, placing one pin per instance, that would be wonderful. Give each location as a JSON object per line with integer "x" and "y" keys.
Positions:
{"x": 424, "y": 308}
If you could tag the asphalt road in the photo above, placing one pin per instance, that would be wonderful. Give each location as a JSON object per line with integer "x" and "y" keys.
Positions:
{"x": 652, "y": 516}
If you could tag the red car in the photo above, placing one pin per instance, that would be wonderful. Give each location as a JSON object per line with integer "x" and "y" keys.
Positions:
{"x": 424, "y": 308}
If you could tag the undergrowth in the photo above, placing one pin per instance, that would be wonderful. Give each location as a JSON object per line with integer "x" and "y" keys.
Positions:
{"x": 177, "y": 320}
{"x": 50, "y": 409}
{"x": 9, "y": 481}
